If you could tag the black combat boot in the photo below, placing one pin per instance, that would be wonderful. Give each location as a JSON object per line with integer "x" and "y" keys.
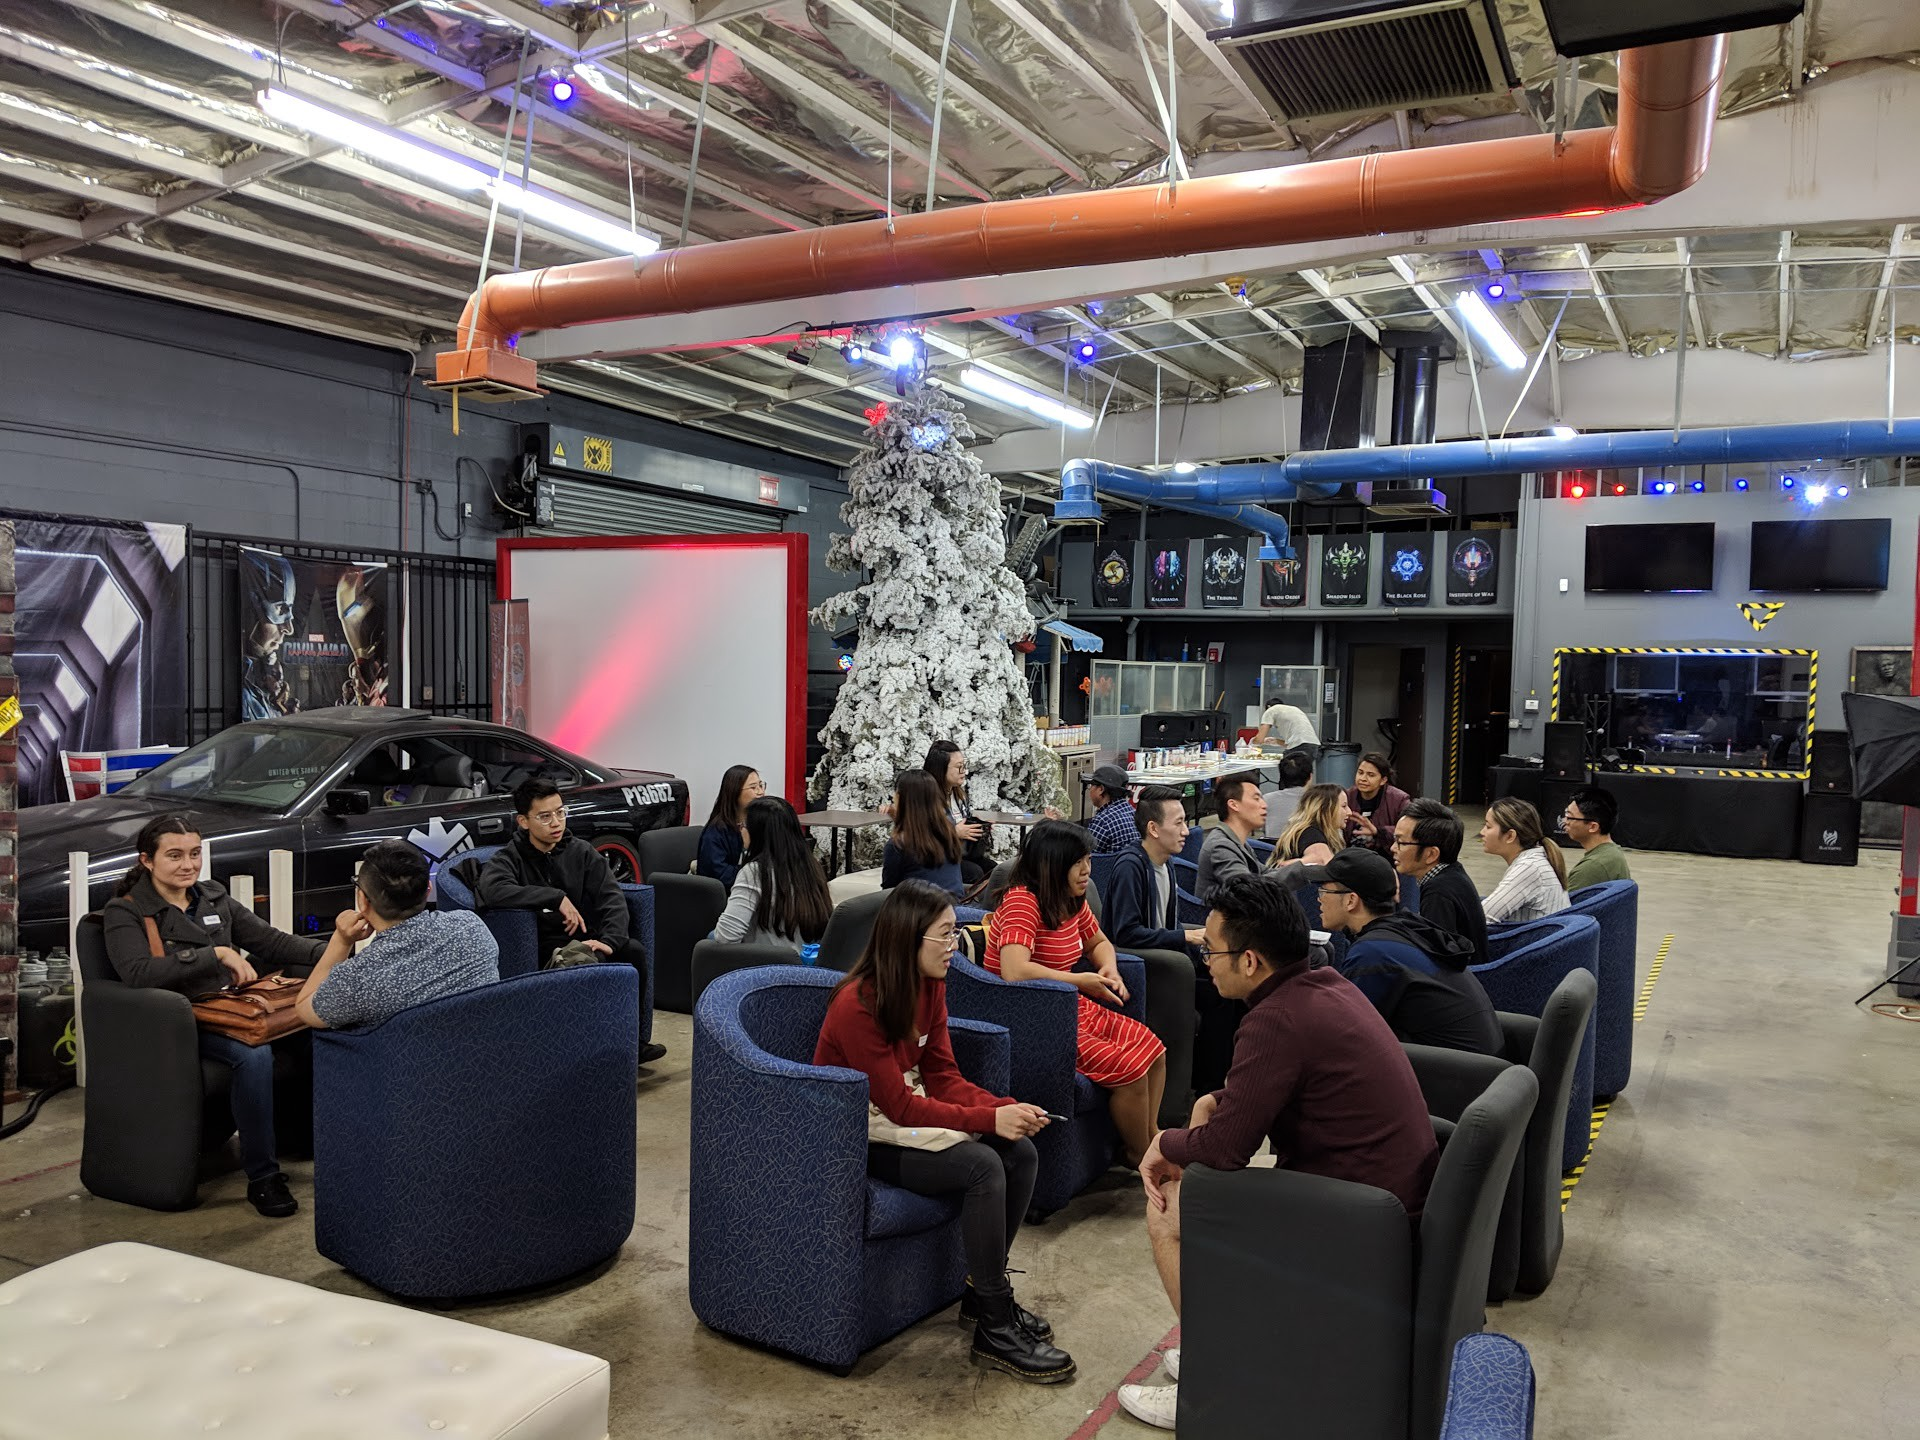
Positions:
{"x": 1002, "y": 1343}
{"x": 1025, "y": 1318}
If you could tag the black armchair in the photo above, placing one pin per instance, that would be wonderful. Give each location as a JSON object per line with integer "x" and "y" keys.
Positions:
{"x": 1528, "y": 1247}
{"x": 849, "y": 928}
{"x": 714, "y": 958}
{"x": 685, "y": 909}
{"x": 1320, "y": 1292}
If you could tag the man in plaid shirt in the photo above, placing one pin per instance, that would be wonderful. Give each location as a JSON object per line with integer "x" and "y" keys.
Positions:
{"x": 1112, "y": 826}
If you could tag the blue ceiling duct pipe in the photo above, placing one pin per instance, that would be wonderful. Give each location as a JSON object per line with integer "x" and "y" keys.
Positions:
{"x": 1234, "y": 492}
{"x": 1081, "y": 480}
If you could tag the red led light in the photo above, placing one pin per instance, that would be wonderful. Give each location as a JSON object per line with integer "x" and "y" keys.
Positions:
{"x": 1579, "y": 492}
{"x": 1619, "y": 489}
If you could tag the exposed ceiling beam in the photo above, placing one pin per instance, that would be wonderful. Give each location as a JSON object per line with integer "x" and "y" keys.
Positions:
{"x": 1345, "y": 306}
{"x": 1162, "y": 306}
{"x": 81, "y": 187}
{"x": 572, "y": 385}
{"x": 773, "y": 68}
{"x": 98, "y": 226}
{"x": 1403, "y": 267}
{"x": 1060, "y": 353}
{"x": 1785, "y": 306}
{"x": 305, "y": 289}
{"x": 285, "y": 195}
{"x": 961, "y": 88}
{"x": 1046, "y": 33}
{"x": 39, "y": 220}
{"x": 1139, "y": 347}
{"x": 1196, "y": 34}
{"x": 249, "y": 307}
{"x": 1896, "y": 251}
{"x": 90, "y": 134}
{"x": 211, "y": 223}
{"x": 704, "y": 415}
{"x": 1683, "y": 247}
{"x": 533, "y": 19}
{"x": 1585, "y": 255}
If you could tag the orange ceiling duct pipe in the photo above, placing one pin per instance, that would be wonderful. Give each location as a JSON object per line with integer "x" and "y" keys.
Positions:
{"x": 1669, "y": 95}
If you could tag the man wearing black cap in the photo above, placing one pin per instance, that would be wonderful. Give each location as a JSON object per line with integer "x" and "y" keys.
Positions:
{"x": 1112, "y": 825}
{"x": 1414, "y": 972}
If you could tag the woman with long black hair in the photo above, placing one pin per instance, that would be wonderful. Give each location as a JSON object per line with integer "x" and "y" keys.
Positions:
{"x": 948, "y": 767}
{"x": 724, "y": 840}
{"x": 932, "y": 1131}
{"x": 167, "y": 929}
{"x": 1042, "y": 931}
{"x": 923, "y": 844}
{"x": 779, "y": 894}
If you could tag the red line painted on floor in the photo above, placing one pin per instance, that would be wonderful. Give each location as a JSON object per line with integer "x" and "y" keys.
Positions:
{"x": 1109, "y": 1407}
{"x": 35, "y": 1174}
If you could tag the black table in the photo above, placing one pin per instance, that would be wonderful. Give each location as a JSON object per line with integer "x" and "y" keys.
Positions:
{"x": 1694, "y": 813}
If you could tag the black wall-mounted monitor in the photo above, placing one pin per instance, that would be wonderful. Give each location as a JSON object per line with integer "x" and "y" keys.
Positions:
{"x": 1649, "y": 558}
{"x": 1819, "y": 554}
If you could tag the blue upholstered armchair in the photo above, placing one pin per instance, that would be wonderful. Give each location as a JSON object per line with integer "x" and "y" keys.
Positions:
{"x": 1616, "y": 905}
{"x": 517, "y": 932}
{"x": 1530, "y": 960}
{"x": 1042, "y": 1016}
{"x": 791, "y": 1244}
{"x": 480, "y": 1143}
{"x": 1490, "y": 1390}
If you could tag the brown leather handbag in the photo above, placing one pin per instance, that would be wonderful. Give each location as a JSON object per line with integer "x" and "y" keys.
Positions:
{"x": 256, "y": 1013}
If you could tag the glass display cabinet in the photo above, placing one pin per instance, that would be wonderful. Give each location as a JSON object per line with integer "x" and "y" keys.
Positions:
{"x": 1124, "y": 690}
{"x": 1749, "y": 711}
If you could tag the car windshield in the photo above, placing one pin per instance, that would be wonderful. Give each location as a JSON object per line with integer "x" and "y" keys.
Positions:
{"x": 259, "y": 768}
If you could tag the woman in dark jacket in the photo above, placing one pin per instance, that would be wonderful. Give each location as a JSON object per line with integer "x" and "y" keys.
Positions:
{"x": 194, "y": 947}
{"x": 923, "y": 844}
{"x": 723, "y": 843}
{"x": 1375, "y": 804}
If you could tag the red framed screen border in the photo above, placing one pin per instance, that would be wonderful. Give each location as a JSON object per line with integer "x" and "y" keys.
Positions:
{"x": 795, "y": 544}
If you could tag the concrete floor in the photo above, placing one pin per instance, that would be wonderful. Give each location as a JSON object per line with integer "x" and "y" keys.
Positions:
{"x": 1740, "y": 1256}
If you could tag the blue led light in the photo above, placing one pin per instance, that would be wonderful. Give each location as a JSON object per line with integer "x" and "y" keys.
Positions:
{"x": 1740, "y": 484}
{"x": 1786, "y": 482}
{"x": 562, "y": 91}
{"x": 1697, "y": 486}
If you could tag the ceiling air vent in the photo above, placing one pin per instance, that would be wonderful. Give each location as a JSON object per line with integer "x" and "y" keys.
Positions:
{"x": 1403, "y": 502}
{"x": 1318, "y": 58}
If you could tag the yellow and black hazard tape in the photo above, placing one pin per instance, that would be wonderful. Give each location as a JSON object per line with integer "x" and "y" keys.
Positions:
{"x": 1453, "y": 728}
{"x": 1680, "y": 650}
{"x": 1572, "y": 1177}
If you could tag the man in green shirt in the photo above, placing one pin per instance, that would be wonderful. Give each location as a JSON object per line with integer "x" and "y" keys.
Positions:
{"x": 1588, "y": 819}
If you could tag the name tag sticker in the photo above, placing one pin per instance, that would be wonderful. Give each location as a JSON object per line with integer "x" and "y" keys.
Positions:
{"x": 212, "y": 922}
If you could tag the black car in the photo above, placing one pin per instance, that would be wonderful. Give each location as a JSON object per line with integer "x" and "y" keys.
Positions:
{"x": 326, "y": 784}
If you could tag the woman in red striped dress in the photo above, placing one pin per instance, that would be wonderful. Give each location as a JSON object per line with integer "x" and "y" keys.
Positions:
{"x": 1041, "y": 931}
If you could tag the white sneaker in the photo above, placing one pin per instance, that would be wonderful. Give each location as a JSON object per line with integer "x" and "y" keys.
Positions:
{"x": 1172, "y": 1359}
{"x": 1154, "y": 1404}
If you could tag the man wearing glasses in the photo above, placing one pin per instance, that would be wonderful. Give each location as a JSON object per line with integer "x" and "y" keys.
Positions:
{"x": 1426, "y": 845}
{"x": 1589, "y": 819}
{"x": 1316, "y": 1073}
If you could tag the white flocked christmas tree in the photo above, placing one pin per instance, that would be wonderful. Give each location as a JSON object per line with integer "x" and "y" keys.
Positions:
{"x": 939, "y": 613}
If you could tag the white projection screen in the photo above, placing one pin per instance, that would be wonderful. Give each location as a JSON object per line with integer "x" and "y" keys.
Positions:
{"x": 682, "y": 653}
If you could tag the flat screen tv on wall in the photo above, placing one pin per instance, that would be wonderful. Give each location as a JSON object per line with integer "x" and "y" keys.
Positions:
{"x": 1649, "y": 558}
{"x": 1820, "y": 554}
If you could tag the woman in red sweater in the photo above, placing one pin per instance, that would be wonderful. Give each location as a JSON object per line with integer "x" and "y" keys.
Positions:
{"x": 1042, "y": 930}
{"x": 888, "y": 1019}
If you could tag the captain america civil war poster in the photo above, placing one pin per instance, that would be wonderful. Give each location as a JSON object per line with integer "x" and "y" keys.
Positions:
{"x": 313, "y": 633}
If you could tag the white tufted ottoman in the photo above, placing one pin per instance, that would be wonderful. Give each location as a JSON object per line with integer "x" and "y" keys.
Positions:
{"x": 130, "y": 1341}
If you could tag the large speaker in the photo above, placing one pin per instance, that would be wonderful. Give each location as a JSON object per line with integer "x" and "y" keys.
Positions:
{"x": 1566, "y": 750}
{"x": 1337, "y": 388}
{"x": 1830, "y": 830}
{"x": 1831, "y": 767}
{"x": 1555, "y": 796}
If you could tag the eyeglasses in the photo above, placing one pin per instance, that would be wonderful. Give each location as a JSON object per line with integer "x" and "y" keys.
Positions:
{"x": 1206, "y": 954}
{"x": 1398, "y": 843}
{"x": 1572, "y": 818}
{"x": 1335, "y": 890}
{"x": 944, "y": 937}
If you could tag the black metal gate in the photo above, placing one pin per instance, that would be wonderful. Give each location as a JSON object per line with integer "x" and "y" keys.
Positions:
{"x": 445, "y": 610}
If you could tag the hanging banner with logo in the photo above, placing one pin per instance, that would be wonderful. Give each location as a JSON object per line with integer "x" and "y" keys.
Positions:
{"x": 1283, "y": 583}
{"x": 100, "y": 643}
{"x": 1223, "y": 574}
{"x": 1167, "y": 576}
{"x": 1343, "y": 570}
{"x": 1113, "y": 575}
{"x": 1473, "y": 567}
{"x": 1404, "y": 573}
{"x": 507, "y": 636}
{"x": 313, "y": 633}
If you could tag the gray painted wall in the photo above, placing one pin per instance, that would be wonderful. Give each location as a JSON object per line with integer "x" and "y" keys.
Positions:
{"x": 1553, "y": 539}
{"x": 123, "y": 406}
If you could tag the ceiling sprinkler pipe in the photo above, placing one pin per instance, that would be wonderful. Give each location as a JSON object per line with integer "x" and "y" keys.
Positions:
{"x": 1668, "y": 98}
{"x": 1082, "y": 480}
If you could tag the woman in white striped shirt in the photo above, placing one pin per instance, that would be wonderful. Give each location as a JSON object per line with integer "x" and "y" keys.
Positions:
{"x": 1536, "y": 880}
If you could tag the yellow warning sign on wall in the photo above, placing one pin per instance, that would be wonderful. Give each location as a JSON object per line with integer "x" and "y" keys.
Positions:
{"x": 9, "y": 713}
{"x": 597, "y": 454}
{"x": 559, "y": 453}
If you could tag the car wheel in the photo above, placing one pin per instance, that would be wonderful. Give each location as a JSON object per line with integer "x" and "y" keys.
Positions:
{"x": 621, "y": 860}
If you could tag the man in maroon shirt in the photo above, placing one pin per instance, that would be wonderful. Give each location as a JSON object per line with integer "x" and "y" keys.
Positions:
{"x": 1316, "y": 1073}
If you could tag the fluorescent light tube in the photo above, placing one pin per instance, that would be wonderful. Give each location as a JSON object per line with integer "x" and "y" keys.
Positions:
{"x": 985, "y": 382}
{"x": 372, "y": 141}
{"x": 391, "y": 148}
{"x": 1488, "y": 330}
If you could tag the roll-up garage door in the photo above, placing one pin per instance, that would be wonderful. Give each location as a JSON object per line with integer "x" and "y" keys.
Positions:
{"x": 581, "y": 507}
